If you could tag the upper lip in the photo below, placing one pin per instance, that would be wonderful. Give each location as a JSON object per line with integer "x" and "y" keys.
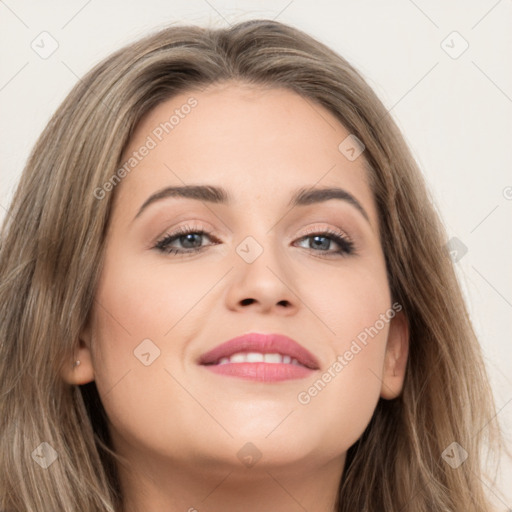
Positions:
{"x": 263, "y": 343}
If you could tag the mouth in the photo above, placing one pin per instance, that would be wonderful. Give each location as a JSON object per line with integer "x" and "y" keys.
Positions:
{"x": 261, "y": 357}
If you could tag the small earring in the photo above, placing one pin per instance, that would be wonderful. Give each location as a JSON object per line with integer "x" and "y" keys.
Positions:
{"x": 76, "y": 363}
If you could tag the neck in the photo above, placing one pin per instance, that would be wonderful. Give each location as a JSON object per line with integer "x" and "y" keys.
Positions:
{"x": 151, "y": 485}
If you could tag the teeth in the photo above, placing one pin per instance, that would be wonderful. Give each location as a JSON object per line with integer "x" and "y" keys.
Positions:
{"x": 254, "y": 357}
{"x": 258, "y": 357}
{"x": 238, "y": 358}
{"x": 272, "y": 358}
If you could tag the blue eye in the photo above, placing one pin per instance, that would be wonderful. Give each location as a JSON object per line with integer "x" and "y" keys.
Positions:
{"x": 189, "y": 237}
{"x": 346, "y": 246}
{"x": 191, "y": 240}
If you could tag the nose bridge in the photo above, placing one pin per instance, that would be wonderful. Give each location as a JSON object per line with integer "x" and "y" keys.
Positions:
{"x": 260, "y": 276}
{"x": 257, "y": 230}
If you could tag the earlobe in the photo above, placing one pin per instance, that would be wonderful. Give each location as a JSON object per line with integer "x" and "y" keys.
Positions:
{"x": 79, "y": 370}
{"x": 395, "y": 361}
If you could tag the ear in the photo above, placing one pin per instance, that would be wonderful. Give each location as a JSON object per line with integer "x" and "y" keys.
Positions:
{"x": 395, "y": 361}
{"x": 80, "y": 370}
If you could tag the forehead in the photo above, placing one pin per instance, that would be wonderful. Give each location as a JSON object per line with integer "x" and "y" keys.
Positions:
{"x": 256, "y": 142}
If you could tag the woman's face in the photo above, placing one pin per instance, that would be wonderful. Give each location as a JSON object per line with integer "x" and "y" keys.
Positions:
{"x": 265, "y": 265}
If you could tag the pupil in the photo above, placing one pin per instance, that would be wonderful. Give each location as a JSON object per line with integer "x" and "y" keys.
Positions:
{"x": 189, "y": 238}
{"x": 325, "y": 244}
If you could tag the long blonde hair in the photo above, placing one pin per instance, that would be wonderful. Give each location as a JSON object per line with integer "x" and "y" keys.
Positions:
{"x": 52, "y": 245}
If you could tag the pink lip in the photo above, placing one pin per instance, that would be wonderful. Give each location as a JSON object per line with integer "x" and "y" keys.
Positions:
{"x": 261, "y": 371}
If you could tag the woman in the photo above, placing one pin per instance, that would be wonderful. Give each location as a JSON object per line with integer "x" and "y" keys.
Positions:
{"x": 224, "y": 286}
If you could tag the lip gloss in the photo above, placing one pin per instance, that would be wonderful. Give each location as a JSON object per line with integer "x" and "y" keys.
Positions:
{"x": 263, "y": 372}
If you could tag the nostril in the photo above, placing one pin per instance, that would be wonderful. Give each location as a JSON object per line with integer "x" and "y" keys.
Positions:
{"x": 246, "y": 302}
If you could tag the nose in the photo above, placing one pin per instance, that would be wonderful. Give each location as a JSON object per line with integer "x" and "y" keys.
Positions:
{"x": 263, "y": 285}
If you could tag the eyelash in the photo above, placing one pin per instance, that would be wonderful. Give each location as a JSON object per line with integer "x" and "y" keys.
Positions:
{"x": 346, "y": 244}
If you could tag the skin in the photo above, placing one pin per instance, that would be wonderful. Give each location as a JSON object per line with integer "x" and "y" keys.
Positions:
{"x": 180, "y": 426}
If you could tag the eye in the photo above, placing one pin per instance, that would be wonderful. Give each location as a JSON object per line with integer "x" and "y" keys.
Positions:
{"x": 189, "y": 237}
{"x": 322, "y": 240}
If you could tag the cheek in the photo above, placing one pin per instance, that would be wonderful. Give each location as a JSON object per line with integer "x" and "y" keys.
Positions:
{"x": 142, "y": 320}
{"x": 354, "y": 309}
{"x": 149, "y": 299}
{"x": 343, "y": 395}
{"x": 346, "y": 300}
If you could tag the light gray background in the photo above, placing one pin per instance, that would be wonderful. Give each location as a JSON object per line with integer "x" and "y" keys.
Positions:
{"x": 455, "y": 110}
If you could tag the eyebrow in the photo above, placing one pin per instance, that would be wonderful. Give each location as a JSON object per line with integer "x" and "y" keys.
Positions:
{"x": 219, "y": 195}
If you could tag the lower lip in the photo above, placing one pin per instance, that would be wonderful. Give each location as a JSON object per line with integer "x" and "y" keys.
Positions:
{"x": 263, "y": 372}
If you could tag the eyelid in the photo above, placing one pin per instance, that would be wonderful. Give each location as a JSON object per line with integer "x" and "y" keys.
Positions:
{"x": 345, "y": 243}
{"x": 204, "y": 226}
{"x": 317, "y": 229}
{"x": 185, "y": 226}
